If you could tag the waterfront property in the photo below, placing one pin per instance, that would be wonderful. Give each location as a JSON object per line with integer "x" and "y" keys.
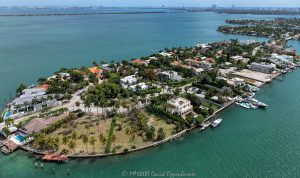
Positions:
{"x": 179, "y": 106}
{"x": 262, "y": 67}
{"x": 133, "y": 105}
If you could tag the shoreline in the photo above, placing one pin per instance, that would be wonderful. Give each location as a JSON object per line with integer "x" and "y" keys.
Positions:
{"x": 223, "y": 106}
{"x": 77, "y": 14}
{"x": 155, "y": 144}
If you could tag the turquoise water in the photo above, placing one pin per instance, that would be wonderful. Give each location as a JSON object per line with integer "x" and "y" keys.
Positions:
{"x": 7, "y": 114}
{"x": 248, "y": 143}
{"x": 19, "y": 137}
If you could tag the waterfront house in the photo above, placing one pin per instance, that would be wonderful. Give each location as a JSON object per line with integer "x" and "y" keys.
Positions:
{"x": 262, "y": 67}
{"x": 64, "y": 75}
{"x": 127, "y": 81}
{"x": 98, "y": 72}
{"x": 165, "y": 54}
{"x": 203, "y": 45}
{"x": 31, "y": 99}
{"x": 138, "y": 62}
{"x": 179, "y": 106}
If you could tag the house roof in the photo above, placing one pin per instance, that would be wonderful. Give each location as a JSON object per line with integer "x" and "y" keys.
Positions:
{"x": 138, "y": 61}
{"x": 44, "y": 86}
{"x": 95, "y": 70}
{"x": 38, "y": 124}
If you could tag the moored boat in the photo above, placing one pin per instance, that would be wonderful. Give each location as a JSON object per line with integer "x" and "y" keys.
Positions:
{"x": 55, "y": 158}
{"x": 216, "y": 122}
{"x": 257, "y": 103}
{"x": 243, "y": 104}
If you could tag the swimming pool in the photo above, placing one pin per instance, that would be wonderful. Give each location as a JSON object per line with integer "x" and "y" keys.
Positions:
{"x": 6, "y": 115}
{"x": 19, "y": 137}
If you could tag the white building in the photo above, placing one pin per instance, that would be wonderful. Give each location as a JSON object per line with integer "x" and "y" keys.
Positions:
{"x": 165, "y": 54}
{"x": 64, "y": 75}
{"x": 129, "y": 80}
{"x": 31, "y": 99}
{"x": 262, "y": 67}
{"x": 139, "y": 86}
{"x": 203, "y": 45}
{"x": 180, "y": 106}
{"x": 32, "y": 92}
{"x": 170, "y": 75}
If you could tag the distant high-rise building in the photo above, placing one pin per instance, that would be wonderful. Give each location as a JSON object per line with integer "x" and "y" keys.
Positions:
{"x": 233, "y": 6}
{"x": 214, "y": 6}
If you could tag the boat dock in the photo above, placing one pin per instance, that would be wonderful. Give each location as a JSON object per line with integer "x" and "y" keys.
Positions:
{"x": 7, "y": 146}
{"x": 55, "y": 158}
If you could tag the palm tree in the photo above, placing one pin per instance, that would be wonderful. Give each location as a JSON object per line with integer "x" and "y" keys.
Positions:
{"x": 26, "y": 103}
{"x": 118, "y": 104}
{"x": 85, "y": 140}
{"x": 98, "y": 124}
{"x": 87, "y": 126}
{"x": 88, "y": 102}
{"x": 96, "y": 103}
{"x": 65, "y": 140}
{"x": 92, "y": 141}
{"x": 72, "y": 145}
{"x": 8, "y": 122}
{"x": 74, "y": 136}
{"x": 102, "y": 102}
{"x": 102, "y": 139}
{"x": 113, "y": 139}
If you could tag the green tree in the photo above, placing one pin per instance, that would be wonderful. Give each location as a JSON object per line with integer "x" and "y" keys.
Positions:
{"x": 92, "y": 141}
{"x": 20, "y": 88}
{"x": 85, "y": 140}
{"x": 72, "y": 145}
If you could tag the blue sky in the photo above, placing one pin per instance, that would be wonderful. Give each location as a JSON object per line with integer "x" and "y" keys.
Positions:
{"x": 203, "y": 3}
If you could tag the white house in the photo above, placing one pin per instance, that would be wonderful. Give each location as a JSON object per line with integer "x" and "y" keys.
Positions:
{"x": 139, "y": 86}
{"x": 179, "y": 106}
{"x": 64, "y": 75}
{"x": 127, "y": 81}
{"x": 170, "y": 75}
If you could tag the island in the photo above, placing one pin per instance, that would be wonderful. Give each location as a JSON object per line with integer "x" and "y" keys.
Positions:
{"x": 120, "y": 107}
{"x": 279, "y": 28}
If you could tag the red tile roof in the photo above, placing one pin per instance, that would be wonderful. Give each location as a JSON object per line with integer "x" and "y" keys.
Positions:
{"x": 138, "y": 61}
{"x": 44, "y": 86}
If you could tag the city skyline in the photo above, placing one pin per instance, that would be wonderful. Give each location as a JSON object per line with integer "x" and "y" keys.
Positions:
{"x": 128, "y": 3}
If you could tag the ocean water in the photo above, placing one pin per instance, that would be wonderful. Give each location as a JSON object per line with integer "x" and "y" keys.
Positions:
{"x": 248, "y": 143}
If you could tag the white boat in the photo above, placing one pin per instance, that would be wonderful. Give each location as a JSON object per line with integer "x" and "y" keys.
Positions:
{"x": 257, "y": 103}
{"x": 216, "y": 122}
{"x": 244, "y": 105}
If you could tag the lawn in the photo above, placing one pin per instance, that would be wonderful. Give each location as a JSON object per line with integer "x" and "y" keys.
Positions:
{"x": 123, "y": 132}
